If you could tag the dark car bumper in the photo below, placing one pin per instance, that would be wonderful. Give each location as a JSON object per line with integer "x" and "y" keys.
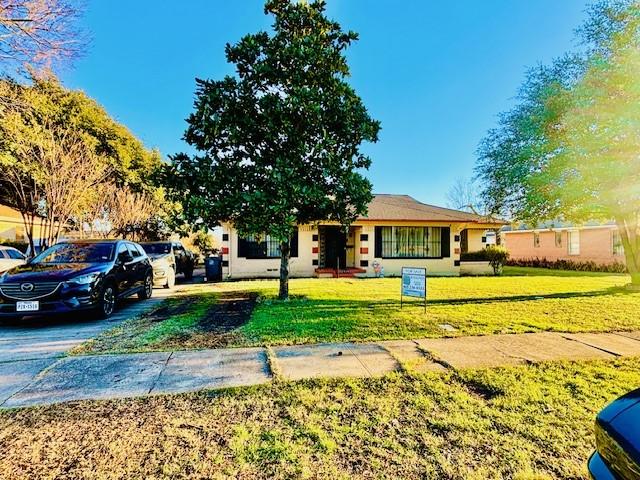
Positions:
{"x": 598, "y": 469}
{"x": 68, "y": 300}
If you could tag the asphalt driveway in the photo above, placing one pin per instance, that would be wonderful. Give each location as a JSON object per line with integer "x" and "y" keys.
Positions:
{"x": 33, "y": 344}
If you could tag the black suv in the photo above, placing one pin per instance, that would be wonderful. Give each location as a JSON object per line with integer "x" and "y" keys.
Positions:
{"x": 79, "y": 275}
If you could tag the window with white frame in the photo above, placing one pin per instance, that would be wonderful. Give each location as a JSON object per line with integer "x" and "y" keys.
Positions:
{"x": 558, "y": 239}
{"x": 574, "y": 242}
{"x": 536, "y": 239}
{"x": 616, "y": 243}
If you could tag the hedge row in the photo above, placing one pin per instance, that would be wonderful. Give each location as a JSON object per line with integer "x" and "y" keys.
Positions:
{"x": 22, "y": 246}
{"x": 479, "y": 256}
{"x": 588, "y": 266}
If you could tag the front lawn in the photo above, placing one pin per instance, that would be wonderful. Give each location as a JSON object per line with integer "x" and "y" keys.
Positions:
{"x": 527, "y": 422}
{"x": 322, "y": 310}
{"x": 334, "y": 310}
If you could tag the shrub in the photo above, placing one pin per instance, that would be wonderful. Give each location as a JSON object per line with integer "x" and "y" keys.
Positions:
{"x": 588, "y": 266}
{"x": 479, "y": 256}
{"x": 495, "y": 255}
{"x": 22, "y": 246}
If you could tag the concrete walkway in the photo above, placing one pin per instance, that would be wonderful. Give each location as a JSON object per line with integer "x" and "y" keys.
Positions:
{"x": 45, "y": 381}
{"x": 29, "y": 347}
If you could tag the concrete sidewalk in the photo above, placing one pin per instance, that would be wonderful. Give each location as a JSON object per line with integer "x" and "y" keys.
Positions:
{"x": 27, "y": 383}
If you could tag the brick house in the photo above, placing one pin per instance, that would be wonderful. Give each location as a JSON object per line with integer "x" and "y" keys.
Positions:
{"x": 596, "y": 243}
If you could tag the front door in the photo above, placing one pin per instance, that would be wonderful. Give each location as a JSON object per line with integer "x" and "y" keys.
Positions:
{"x": 335, "y": 243}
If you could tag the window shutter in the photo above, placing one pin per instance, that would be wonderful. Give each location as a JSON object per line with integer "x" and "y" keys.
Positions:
{"x": 445, "y": 235}
{"x": 242, "y": 247}
{"x": 294, "y": 243}
{"x": 378, "y": 241}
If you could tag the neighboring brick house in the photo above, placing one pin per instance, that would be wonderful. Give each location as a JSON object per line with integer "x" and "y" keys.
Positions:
{"x": 596, "y": 243}
{"x": 398, "y": 231}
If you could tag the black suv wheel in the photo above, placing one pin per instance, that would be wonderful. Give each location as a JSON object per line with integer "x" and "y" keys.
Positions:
{"x": 147, "y": 291}
{"x": 107, "y": 301}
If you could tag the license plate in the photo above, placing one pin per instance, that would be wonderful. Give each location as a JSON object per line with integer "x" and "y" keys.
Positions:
{"x": 33, "y": 306}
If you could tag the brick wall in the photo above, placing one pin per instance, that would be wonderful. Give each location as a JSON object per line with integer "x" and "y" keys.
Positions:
{"x": 596, "y": 244}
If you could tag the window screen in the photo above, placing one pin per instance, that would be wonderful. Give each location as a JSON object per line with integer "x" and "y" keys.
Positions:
{"x": 411, "y": 242}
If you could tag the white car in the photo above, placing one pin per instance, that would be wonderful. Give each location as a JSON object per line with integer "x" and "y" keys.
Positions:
{"x": 10, "y": 257}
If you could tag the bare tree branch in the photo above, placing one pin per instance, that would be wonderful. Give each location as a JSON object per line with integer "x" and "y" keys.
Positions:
{"x": 39, "y": 34}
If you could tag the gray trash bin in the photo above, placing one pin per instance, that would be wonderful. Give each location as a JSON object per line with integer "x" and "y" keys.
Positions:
{"x": 213, "y": 268}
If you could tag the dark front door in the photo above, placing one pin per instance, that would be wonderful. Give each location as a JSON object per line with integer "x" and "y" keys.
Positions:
{"x": 335, "y": 252}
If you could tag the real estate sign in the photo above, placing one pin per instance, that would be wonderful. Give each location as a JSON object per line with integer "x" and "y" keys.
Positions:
{"x": 414, "y": 284}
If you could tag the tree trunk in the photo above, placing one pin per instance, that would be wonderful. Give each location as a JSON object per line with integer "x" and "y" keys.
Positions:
{"x": 285, "y": 252}
{"x": 631, "y": 243}
{"x": 28, "y": 228}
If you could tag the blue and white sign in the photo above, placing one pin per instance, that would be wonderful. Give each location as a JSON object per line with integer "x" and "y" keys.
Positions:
{"x": 414, "y": 282}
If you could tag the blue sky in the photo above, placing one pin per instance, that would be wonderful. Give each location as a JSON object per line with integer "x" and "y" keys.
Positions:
{"x": 436, "y": 74}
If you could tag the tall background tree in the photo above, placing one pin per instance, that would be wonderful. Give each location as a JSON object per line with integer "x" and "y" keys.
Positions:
{"x": 278, "y": 143}
{"x": 37, "y": 34}
{"x": 464, "y": 195}
{"x": 57, "y": 150}
{"x": 569, "y": 150}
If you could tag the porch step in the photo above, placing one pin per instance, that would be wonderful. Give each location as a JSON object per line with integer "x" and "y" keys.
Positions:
{"x": 342, "y": 273}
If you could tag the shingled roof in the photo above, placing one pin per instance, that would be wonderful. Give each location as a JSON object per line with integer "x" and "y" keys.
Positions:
{"x": 404, "y": 207}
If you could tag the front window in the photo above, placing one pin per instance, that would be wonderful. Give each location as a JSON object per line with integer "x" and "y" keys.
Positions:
{"x": 536, "y": 239}
{"x": 263, "y": 246}
{"x": 76, "y": 253}
{"x": 411, "y": 242}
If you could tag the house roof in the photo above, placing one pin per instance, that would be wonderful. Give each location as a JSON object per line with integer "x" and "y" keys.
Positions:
{"x": 404, "y": 207}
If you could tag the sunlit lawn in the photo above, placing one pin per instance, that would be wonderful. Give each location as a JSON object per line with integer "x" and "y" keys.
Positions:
{"x": 523, "y": 300}
{"x": 527, "y": 422}
{"x": 326, "y": 310}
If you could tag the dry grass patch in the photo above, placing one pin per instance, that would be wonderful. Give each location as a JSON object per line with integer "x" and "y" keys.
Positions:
{"x": 209, "y": 319}
{"x": 526, "y": 422}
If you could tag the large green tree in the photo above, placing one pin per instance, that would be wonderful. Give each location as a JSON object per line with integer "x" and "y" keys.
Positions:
{"x": 278, "y": 143}
{"x": 569, "y": 150}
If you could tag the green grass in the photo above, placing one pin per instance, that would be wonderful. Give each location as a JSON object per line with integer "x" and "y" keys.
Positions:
{"x": 524, "y": 300}
{"x": 549, "y": 272}
{"x": 327, "y": 310}
{"x": 526, "y": 422}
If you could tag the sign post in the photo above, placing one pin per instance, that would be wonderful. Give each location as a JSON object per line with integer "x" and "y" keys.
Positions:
{"x": 414, "y": 284}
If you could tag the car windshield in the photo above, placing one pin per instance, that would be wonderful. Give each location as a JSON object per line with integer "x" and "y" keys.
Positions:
{"x": 157, "y": 248}
{"x": 76, "y": 253}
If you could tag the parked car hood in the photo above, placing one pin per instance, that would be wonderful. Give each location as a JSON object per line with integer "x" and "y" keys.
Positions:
{"x": 49, "y": 272}
{"x": 621, "y": 420}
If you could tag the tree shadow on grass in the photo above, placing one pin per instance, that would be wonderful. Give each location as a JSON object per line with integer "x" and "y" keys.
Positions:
{"x": 300, "y": 301}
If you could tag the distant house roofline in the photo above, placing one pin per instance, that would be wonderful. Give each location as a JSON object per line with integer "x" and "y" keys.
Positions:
{"x": 510, "y": 230}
